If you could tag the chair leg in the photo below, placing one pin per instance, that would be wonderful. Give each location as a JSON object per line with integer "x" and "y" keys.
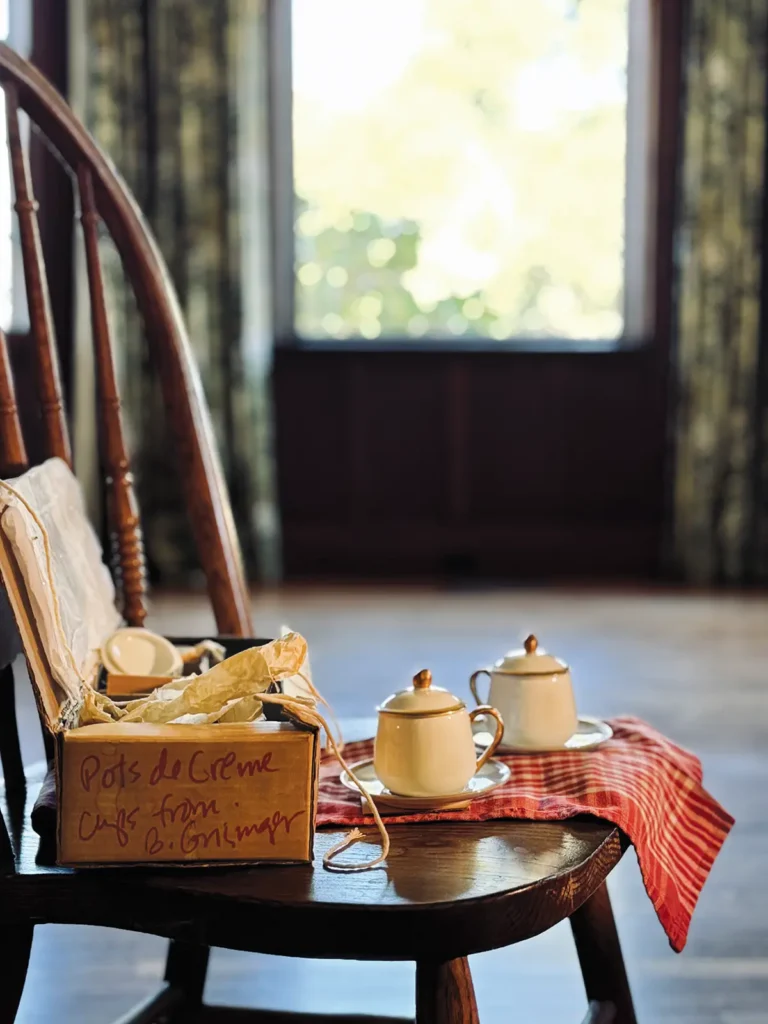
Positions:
{"x": 185, "y": 970}
{"x": 10, "y": 751}
{"x": 602, "y": 965}
{"x": 16, "y": 945}
{"x": 600, "y": 1013}
{"x": 445, "y": 993}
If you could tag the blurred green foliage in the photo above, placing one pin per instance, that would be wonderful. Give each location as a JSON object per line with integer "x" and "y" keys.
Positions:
{"x": 460, "y": 167}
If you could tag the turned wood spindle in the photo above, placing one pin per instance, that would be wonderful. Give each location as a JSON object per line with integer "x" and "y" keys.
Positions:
{"x": 121, "y": 500}
{"x": 38, "y": 300}
{"x": 13, "y": 453}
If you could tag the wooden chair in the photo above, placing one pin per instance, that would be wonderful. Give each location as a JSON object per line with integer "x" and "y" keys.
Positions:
{"x": 448, "y": 890}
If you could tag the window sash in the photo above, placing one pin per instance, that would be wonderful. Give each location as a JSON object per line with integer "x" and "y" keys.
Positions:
{"x": 19, "y": 38}
{"x": 638, "y": 299}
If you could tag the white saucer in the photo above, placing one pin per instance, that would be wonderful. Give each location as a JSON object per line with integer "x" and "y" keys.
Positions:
{"x": 491, "y": 775}
{"x": 590, "y": 733}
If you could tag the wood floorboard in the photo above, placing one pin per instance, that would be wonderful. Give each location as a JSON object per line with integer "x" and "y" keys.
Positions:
{"x": 696, "y": 666}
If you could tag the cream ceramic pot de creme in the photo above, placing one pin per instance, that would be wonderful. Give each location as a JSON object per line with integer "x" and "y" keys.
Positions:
{"x": 424, "y": 744}
{"x": 533, "y": 692}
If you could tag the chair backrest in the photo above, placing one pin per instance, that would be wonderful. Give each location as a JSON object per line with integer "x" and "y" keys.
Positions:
{"x": 104, "y": 197}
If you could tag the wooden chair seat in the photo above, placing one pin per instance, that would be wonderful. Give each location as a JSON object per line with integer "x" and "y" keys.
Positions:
{"x": 450, "y": 890}
{"x": 454, "y": 888}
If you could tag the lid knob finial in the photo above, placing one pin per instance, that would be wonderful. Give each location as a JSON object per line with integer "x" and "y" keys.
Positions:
{"x": 422, "y": 679}
{"x": 531, "y": 643}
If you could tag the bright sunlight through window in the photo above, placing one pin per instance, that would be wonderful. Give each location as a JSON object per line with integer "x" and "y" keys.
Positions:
{"x": 15, "y": 25}
{"x": 460, "y": 168}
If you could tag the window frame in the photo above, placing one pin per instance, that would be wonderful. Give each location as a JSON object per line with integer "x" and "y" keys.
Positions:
{"x": 643, "y": 108}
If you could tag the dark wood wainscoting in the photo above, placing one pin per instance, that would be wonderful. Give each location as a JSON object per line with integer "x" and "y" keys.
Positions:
{"x": 513, "y": 465}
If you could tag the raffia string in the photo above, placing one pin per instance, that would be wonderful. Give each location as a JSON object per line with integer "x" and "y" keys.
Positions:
{"x": 321, "y": 699}
{"x": 306, "y": 710}
{"x": 304, "y": 707}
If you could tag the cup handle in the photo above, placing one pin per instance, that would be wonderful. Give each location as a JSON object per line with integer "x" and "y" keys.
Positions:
{"x": 486, "y": 709}
{"x": 473, "y": 683}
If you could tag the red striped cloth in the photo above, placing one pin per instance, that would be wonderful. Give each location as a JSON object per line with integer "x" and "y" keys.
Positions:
{"x": 639, "y": 780}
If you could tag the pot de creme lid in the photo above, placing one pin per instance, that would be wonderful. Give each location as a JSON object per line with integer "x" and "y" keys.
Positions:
{"x": 135, "y": 651}
{"x": 421, "y": 699}
{"x": 530, "y": 661}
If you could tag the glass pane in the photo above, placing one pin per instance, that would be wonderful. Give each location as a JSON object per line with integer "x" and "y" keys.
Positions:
{"x": 460, "y": 167}
{"x": 15, "y": 24}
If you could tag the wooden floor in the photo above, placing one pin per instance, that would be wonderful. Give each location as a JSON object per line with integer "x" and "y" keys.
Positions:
{"x": 694, "y": 666}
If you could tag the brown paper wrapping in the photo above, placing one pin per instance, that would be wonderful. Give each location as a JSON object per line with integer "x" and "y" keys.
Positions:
{"x": 227, "y": 692}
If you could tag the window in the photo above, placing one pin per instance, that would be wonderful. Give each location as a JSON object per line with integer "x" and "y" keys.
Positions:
{"x": 462, "y": 170}
{"x": 14, "y": 30}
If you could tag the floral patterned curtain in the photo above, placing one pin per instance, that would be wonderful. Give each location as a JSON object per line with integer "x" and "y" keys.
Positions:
{"x": 720, "y": 409}
{"x": 176, "y": 95}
